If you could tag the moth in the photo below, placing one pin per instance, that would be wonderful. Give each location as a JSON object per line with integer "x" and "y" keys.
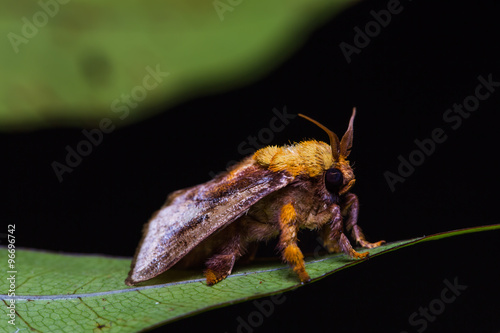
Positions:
{"x": 273, "y": 193}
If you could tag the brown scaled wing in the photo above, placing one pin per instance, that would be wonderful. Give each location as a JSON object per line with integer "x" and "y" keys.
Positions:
{"x": 191, "y": 215}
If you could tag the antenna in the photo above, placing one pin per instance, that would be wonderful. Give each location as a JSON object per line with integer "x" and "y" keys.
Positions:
{"x": 334, "y": 139}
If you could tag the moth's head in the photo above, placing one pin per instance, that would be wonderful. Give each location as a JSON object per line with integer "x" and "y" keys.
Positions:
{"x": 339, "y": 177}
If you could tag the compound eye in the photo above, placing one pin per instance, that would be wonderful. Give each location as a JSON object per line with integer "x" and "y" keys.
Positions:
{"x": 334, "y": 180}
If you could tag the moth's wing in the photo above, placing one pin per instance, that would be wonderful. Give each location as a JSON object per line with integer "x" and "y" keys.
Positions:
{"x": 191, "y": 215}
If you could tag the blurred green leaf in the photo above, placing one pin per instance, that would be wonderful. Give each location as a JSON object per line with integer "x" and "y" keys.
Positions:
{"x": 74, "y": 293}
{"x": 75, "y": 62}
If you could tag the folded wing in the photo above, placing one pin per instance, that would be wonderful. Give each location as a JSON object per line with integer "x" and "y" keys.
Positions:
{"x": 191, "y": 215}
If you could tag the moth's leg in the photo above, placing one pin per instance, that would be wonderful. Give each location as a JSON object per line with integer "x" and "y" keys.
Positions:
{"x": 221, "y": 264}
{"x": 288, "y": 241}
{"x": 351, "y": 209}
{"x": 338, "y": 236}
{"x": 330, "y": 245}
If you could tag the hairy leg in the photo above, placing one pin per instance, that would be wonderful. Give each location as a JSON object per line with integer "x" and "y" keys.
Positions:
{"x": 331, "y": 245}
{"x": 220, "y": 265}
{"x": 337, "y": 235}
{"x": 288, "y": 241}
{"x": 351, "y": 209}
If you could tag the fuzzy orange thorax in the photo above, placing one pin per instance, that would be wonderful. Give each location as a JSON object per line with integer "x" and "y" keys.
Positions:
{"x": 310, "y": 158}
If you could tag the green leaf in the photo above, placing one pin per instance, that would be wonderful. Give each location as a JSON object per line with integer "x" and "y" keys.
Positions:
{"x": 71, "y": 293}
{"x": 68, "y": 63}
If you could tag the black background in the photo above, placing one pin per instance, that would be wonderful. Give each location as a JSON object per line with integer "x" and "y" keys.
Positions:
{"x": 428, "y": 58}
